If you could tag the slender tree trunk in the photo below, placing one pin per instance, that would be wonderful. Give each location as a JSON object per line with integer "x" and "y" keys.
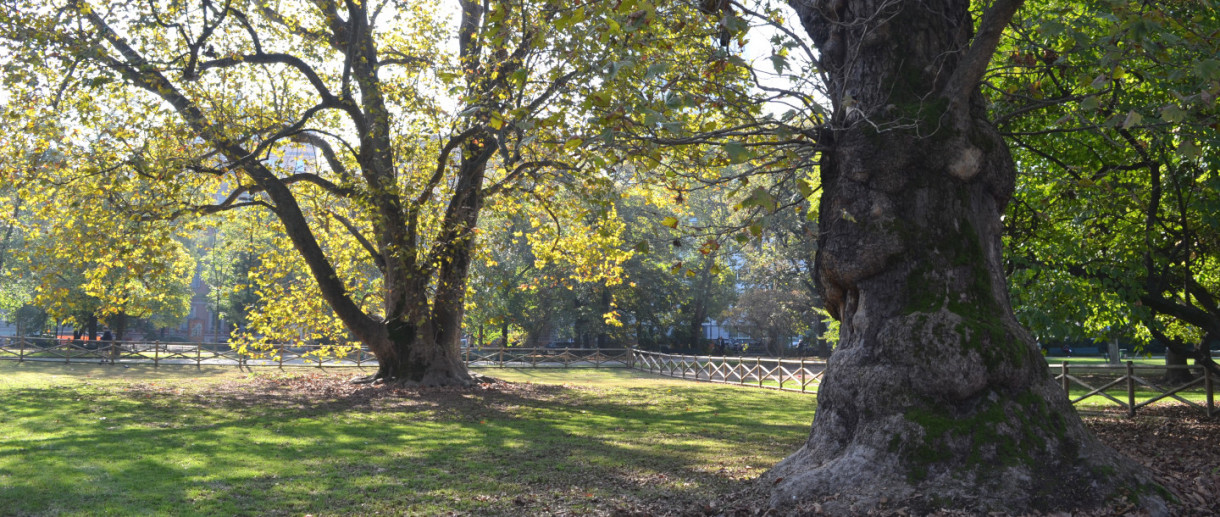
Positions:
{"x": 936, "y": 397}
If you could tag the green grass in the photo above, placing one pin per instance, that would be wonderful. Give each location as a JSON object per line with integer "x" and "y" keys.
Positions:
{"x": 102, "y": 440}
{"x": 1055, "y": 361}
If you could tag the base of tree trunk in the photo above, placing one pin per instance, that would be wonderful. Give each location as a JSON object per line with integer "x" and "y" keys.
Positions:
{"x": 473, "y": 379}
{"x": 1005, "y": 455}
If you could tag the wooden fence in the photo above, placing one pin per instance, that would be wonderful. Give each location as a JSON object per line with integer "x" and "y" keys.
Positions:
{"x": 1134, "y": 384}
{"x": 219, "y": 354}
{"x": 782, "y": 374}
{"x": 1128, "y": 386}
{"x": 514, "y": 357}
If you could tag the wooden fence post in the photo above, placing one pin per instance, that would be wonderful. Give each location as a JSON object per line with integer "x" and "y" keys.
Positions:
{"x": 1211, "y": 388}
{"x": 502, "y": 357}
{"x": 198, "y": 355}
{"x": 156, "y": 354}
{"x": 281, "y": 354}
{"x": 802, "y": 373}
{"x": 20, "y": 349}
{"x": 758, "y": 370}
{"x": 1067, "y": 384}
{"x": 1130, "y": 389}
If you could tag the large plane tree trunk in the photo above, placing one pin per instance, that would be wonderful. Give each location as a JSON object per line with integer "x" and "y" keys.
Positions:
{"x": 935, "y": 397}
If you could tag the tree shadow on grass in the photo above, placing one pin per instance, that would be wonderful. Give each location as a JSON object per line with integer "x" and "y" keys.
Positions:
{"x": 268, "y": 449}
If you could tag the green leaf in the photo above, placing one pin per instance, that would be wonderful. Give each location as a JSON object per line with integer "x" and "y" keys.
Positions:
{"x": 1188, "y": 150}
{"x": 805, "y": 188}
{"x": 518, "y": 78}
{"x": 671, "y": 222}
{"x": 1208, "y": 69}
{"x": 1133, "y": 119}
{"x": 1090, "y": 103}
{"x": 779, "y": 62}
{"x": 737, "y": 152}
{"x": 655, "y": 70}
{"x": 759, "y": 197}
{"x": 572, "y": 144}
{"x": 1173, "y": 114}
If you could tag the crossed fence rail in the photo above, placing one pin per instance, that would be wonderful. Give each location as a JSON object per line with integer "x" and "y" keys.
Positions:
{"x": 782, "y": 374}
{"x": 1135, "y": 384}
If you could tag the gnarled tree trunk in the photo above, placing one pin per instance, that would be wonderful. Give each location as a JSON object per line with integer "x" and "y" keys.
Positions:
{"x": 935, "y": 397}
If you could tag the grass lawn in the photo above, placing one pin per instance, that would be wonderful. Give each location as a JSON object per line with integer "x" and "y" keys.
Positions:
{"x": 94, "y": 439}
{"x": 1056, "y": 360}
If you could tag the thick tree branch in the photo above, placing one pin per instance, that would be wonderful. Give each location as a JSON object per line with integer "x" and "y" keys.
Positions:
{"x": 328, "y": 152}
{"x": 970, "y": 69}
{"x": 136, "y": 69}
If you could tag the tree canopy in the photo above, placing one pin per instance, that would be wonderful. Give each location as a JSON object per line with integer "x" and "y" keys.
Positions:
{"x": 1112, "y": 110}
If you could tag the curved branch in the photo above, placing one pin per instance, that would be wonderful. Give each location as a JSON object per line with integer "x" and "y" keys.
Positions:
{"x": 425, "y": 194}
{"x": 970, "y": 69}
{"x": 328, "y": 152}
{"x": 324, "y": 183}
{"x": 378, "y": 259}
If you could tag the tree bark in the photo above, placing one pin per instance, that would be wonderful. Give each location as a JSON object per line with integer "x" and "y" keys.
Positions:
{"x": 1179, "y": 374}
{"x": 935, "y": 397}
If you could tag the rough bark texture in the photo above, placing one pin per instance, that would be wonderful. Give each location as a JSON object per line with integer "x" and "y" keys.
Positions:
{"x": 936, "y": 397}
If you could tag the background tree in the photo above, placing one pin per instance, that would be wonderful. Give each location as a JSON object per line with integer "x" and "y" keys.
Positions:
{"x": 1111, "y": 107}
{"x": 773, "y": 315}
{"x": 416, "y": 137}
{"x": 76, "y": 243}
{"x": 232, "y": 251}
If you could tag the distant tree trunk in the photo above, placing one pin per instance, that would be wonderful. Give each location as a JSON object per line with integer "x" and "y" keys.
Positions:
{"x": 120, "y": 326}
{"x": 602, "y": 337}
{"x": 936, "y": 397}
{"x": 1178, "y": 373}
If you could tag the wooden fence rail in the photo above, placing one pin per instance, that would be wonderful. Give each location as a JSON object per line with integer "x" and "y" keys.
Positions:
{"x": 1131, "y": 382}
{"x": 280, "y": 355}
{"x": 1135, "y": 384}
{"x": 782, "y": 374}
{"x": 1130, "y": 387}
